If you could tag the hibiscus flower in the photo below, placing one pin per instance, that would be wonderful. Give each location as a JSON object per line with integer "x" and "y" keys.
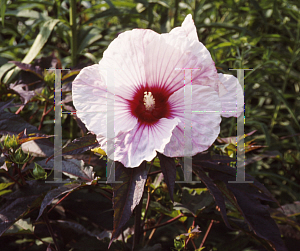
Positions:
{"x": 138, "y": 90}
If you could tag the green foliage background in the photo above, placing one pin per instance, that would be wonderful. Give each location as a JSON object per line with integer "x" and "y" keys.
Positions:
{"x": 258, "y": 35}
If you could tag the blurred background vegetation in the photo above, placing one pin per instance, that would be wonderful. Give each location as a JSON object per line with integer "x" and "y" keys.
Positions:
{"x": 261, "y": 35}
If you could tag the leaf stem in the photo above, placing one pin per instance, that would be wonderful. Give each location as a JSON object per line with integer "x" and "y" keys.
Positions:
{"x": 13, "y": 179}
{"x": 59, "y": 201}
{"x": 206, "y": 234}
{"x": 165, "y": 223}
{"x": 155, "y": 172}
{"x": 45, "y": 217}
{"x": 20, "y": 174}
{"x": 153, "y": 231}
{"x": 43, "y": 117}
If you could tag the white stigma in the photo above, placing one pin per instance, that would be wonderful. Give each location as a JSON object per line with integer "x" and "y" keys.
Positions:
{"x": 149, "y": 101}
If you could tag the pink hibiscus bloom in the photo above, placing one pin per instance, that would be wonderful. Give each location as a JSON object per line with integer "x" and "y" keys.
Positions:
{"x": 147, "y": 91}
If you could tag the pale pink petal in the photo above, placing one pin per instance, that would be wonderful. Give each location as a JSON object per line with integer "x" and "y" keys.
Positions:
{"x": 141, "y": 143}
{"x": 167, "y": 56}
{"x": 206, "y": 110}
{"x": 90, "y": 98}
{"x": 125, "y": 56}
{"x": 187, "y": 28}
{"x": 233, "y": 97}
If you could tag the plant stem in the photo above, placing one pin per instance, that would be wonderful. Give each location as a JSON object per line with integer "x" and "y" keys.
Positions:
{"x": 207, "y": 231}
{"x": 59, "y": 201}
{"x": 13, "y": 179}
{"x": 155, "y": 172}
{"x": 21, "y": 176}
{"x": 45, "y": 217}
{"x": 137, "y": 224}
{"x": 73, "y": 32}
{"x": 165, "y": 223}
{"x": 153, "y": 230}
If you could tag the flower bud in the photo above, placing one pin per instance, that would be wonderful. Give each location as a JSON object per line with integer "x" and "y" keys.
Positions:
{"x": 39, "y": 172}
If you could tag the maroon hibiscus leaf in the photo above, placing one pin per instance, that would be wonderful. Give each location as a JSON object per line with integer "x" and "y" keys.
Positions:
{"x": 211, "y": 165}
{"x": 19, "y": 202}
{"x": 23, "y": 90}
{"x": 246, "y": 198}
{"x": 13, "y": 123}
{"x": 126, "y": 195}
{"x": 215, "y": 192}
{"x": 54, "y": 193}
{"x": 168, "y": 168}
{"x": 214, "y": 158}
{"x": 69, "y": 166}
{"x": 37, "y": 70}
{"x": 257, "y": 216}
{"x": 79, "y": 145}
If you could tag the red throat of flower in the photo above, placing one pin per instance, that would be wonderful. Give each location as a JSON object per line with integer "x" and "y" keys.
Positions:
{"x": 149, "y": 105}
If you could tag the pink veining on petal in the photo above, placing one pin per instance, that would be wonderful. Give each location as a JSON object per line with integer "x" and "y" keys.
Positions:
{"x": 148, "y": 84}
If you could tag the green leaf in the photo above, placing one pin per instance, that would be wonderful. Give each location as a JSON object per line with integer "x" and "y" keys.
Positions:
{"x": 193, "y": 202}
{"x": 27, "y": 14}
{"x": 3, "y": 8}
{"x": 280, "y": 97}
{"x": 90, "y": 36}
{"x": 40, "y": 40}
{"x": 5, "y": 185}
{"x": 4, "y": 69}
{"x": 3, "y": 192}
{"x": 126, "y": 195}
{"x": 156, "y": 206}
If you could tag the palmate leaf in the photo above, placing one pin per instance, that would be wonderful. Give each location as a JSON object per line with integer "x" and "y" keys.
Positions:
{"x": 215, "y": 192}
{"x": 19, "y": 202}
{"x": 75, "y": 226}
{"x": 54, "y": 193}
{"x": 168, "y": 168}
{"x": 22, "y": 89}
{"x": 37, "y": 70}
{"x": 79, "y": 145}
{"x": 13, "y": 123}
{"x": 245, "y": 197}
{"x": 72, "y": 166}
{"x": 126, "y": 195}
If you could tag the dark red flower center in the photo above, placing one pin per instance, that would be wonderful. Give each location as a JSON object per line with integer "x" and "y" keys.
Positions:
{"x": 150, "y": 104}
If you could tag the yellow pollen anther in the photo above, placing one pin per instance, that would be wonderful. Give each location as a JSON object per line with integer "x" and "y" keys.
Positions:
{"x": 149, "y": 101}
